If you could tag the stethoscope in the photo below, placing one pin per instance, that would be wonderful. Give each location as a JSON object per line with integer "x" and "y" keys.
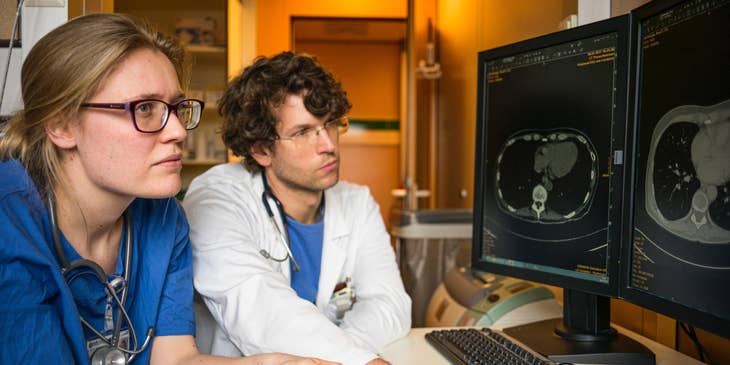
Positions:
{"x": 283, "y": 233}
{"x": 112, "y": 352}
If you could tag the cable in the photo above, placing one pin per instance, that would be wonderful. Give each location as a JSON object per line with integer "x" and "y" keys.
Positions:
{"x": 689, "y": 330}
{"x": 693, "y": 336}
{"x": 10, "y": 52}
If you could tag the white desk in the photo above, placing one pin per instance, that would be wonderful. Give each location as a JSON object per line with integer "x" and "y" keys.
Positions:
{"x": 415, "y": 350}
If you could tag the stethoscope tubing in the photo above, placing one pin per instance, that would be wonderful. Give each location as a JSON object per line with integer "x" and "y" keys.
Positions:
{"x": 68, "y": 267}
{"x": 283, "y": 233}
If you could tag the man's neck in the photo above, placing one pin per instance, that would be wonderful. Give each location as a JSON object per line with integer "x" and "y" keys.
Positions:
{"x": 302, "y": 205}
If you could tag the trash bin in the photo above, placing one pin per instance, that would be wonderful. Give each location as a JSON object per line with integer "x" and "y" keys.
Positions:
{"x": 428, "y": 244}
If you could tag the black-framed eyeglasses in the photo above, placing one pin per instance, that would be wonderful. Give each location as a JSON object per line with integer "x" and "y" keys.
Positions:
{"x": 308, "y": 136}
{"x": 151, "y": 115}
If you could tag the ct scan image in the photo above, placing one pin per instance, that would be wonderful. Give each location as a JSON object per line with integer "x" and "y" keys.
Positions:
{"x": 687, "y": 175}
{"x": 546, "y": 176}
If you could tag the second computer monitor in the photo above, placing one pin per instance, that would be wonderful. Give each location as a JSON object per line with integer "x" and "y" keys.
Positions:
{"x": 677, "y": 246}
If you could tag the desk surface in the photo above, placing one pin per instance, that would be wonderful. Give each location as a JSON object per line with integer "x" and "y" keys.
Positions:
{"x": 414, "y": 349}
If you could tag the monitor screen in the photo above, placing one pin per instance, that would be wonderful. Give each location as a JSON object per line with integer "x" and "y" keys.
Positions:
{"x": 678, "y": 244}
{"x": 550, "y": 134}
{"x": 551, "y": 131}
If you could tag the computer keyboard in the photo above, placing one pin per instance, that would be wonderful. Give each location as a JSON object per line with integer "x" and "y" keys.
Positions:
{"x": 469, "y": 346}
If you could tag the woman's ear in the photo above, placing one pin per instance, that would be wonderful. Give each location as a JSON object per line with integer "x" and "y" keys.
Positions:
{"x": 60, "y": 133}
{"x": 261, "y": 153}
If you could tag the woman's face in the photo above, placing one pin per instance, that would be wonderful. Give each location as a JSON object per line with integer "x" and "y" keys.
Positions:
{"x": 112, "y": 156}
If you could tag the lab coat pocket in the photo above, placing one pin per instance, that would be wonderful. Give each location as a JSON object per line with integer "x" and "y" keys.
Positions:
{"x": 341, "y": 301}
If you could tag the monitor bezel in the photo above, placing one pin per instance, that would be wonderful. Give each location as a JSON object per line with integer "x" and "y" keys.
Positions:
{"x": 704, "y": 320}
{"x": 619, "y": 25}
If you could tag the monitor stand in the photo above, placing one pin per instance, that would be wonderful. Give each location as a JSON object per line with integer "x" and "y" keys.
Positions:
{"x": 583, "y": 335}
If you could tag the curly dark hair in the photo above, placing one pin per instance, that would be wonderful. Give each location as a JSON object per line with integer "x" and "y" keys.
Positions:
{"x": 250, "y": 100}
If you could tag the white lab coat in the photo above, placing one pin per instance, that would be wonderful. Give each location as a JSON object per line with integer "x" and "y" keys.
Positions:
{"x": 250, "y": 297}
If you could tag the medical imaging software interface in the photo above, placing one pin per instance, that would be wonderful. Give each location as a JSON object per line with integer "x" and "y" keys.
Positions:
{"x": 549, "y": 130}
{"x": 681, "y": 237}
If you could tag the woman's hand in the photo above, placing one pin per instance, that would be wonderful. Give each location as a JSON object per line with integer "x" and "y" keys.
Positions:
{"x": 296, "y": 360}
{"x": 182, "y": 350}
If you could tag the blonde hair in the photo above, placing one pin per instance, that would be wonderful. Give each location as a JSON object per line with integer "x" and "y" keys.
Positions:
{"x": 66, "y": 68}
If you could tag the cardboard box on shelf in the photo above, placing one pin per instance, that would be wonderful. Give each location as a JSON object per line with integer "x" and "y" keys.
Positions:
{"x": 196, "y": 30}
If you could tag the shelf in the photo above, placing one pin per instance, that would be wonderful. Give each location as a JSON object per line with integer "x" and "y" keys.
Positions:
{"x": 207, "y": 56}
{"x": 201, "y": 49}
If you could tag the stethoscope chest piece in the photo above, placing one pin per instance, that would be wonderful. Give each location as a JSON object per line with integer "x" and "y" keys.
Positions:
{"x": 108, "y": 355}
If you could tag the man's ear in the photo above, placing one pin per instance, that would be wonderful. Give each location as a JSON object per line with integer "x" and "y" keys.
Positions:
{"x": 60, "y": 134}
{"x": 261, "y": 153}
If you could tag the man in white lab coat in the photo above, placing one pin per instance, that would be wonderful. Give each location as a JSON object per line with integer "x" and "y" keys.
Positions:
{"x": 285, "y": 257}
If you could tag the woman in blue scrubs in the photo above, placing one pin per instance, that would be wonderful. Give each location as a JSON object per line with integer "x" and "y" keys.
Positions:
{"x": 95, "y": 260}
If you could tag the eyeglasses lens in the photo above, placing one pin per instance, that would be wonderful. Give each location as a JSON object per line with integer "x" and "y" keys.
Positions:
{"x": 188, "y": 111}
{"x": 150, "y": 115}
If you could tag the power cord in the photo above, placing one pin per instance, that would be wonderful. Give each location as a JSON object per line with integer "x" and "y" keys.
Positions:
{"x": 690, "y": 331}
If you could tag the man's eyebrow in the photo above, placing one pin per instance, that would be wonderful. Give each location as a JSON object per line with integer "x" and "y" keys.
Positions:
{"x": 297, "y": 126}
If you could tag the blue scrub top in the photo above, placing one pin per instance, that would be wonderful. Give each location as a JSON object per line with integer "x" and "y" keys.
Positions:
{"x": 39, "y": 313}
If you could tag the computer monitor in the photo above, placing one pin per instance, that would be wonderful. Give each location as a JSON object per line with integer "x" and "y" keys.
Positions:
{"x": 677, "y": 250}
{"x": 551, "y": 127}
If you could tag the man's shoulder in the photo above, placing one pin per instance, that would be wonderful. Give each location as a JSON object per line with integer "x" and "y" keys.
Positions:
{"x": 231, "y": 171}
{"x": 224, "y": 185}
{"x": 347, "y": 195}
{"x": 346, "y": 188}
{"x": 225, "y": 176}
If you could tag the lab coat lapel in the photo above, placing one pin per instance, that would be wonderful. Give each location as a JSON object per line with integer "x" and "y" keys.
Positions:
{"x": 334, "y": 251}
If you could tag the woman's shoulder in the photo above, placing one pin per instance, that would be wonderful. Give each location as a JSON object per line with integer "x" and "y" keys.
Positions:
{"x": 161, "y": 221}
{"x": 19, "y": 197}
{"x": 25, "y": 229}
{"x": 14, "y": 178}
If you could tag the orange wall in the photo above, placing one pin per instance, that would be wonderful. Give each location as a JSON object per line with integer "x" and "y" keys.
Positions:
{"x": 273, "y": 33}
{"x": 466, "y": 27}
{"x": 375, "y": 166}
{"x": 369, "y": 73}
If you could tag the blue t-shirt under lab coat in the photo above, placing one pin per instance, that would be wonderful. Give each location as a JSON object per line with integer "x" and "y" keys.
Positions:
{"x": 39, "y": 312}
{"x": 306, "y": 246}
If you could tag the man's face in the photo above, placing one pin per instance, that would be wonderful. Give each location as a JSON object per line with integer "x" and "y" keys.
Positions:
{"x": 307, "y": 163}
